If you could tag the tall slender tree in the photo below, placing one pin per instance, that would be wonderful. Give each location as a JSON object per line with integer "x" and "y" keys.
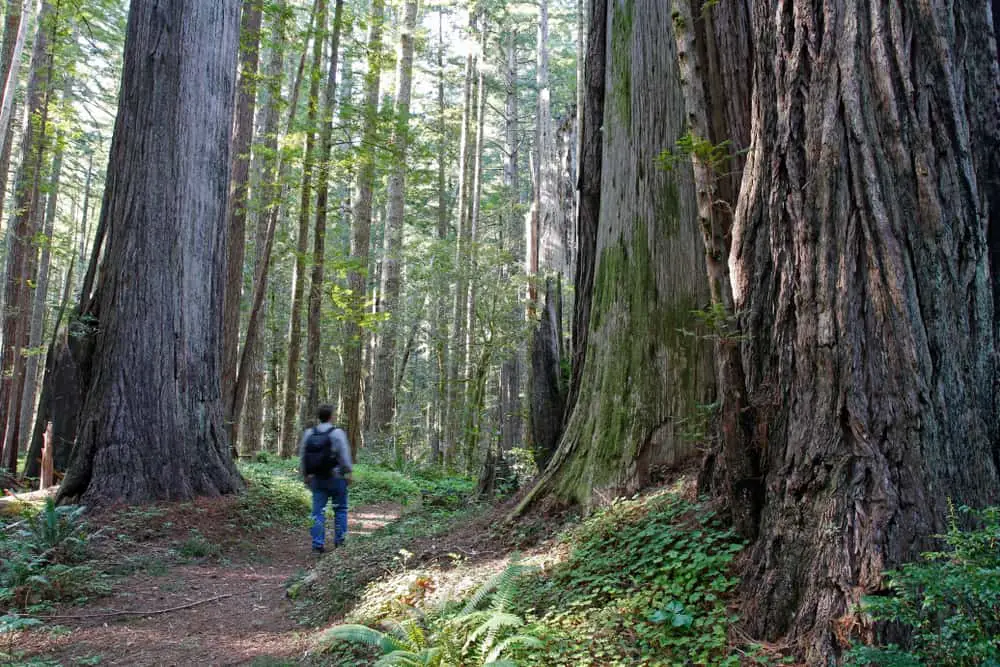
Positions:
{"x": 274, "y": 186}
{"x": 23, "y": 259}
{"x": 383, "y": 386}
{"x": 361, "y": 229}
{"x": 289, "y": 430}
{"x": 313, "y": 357}
{"x": 236, "y": 216}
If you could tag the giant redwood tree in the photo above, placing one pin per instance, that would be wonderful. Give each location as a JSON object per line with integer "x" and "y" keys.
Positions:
{"x": 642, "y": 377}
{"x": 152, "y": 425}
{"x": 861, "y": 268}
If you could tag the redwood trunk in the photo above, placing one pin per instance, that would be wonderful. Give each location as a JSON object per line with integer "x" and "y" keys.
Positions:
{"x": 23, "y": 259}
{"x": 153, "y": 425}
{"x": 642, "y": 377}
{"x": 861, "y": 265}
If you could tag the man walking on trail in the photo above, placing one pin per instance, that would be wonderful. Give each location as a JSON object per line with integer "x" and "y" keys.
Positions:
{"x": 325, "y": 457}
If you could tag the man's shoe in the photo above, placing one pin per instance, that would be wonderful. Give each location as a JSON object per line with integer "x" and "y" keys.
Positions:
{"x": 318, "y": 550}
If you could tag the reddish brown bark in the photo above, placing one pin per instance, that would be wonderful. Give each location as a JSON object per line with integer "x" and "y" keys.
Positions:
{"x": 861, "y": 266}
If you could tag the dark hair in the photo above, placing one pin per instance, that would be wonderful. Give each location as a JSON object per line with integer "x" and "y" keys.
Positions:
{"x": 324, "y": 413}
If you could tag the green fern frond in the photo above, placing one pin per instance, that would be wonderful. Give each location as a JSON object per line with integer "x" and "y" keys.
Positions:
{"x": 493, "y": 657}
{"x": 502, "y": 582}
{"x": 362, "y": 634}
{"x": 403, "y": 659}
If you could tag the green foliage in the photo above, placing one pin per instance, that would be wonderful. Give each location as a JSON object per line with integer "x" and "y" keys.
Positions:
{"x": 275, "y": 494}
{"x": 198, "y": 546}
{"x": 713, "y": 156}
{"x": 645, "y": 584}
{"x": 38, "y": 561}
{"x": 950, "y": 600}
{"x": 472, "y": 637}
{"x": 376, "y": 485}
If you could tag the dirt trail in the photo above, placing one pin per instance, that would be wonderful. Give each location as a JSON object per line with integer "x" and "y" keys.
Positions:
{"x": 249, "y": 622}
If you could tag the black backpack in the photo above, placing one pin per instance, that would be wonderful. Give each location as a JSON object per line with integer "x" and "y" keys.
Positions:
{"x": 320, "y": 456}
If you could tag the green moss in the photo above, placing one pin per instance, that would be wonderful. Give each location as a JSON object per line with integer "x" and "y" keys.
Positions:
{"x": 621, "y": 61}
{"x": 623, "y": 387}
{"x": 668, "y": 207}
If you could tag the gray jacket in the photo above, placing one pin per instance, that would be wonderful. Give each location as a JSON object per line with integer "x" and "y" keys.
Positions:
{"x": 340, "y": 444}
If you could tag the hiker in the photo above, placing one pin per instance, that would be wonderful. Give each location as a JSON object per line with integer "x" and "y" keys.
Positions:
{"x": 325, "y": 457}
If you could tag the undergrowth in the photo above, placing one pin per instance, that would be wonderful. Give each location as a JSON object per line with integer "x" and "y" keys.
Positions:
{"x": 41, "y": 559}
{"x": 646, "y": 583}
{"x": 276, "y": 494}
{"x": 949, "y": 601}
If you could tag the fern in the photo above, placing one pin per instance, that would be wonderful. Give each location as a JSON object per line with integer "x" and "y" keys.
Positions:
{"x": 362, "y": 634}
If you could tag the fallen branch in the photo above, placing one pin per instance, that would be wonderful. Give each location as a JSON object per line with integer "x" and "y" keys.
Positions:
{"x": 156, "y": 612}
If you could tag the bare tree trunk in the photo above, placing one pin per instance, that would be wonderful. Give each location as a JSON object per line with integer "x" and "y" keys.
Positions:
{"x": 39, "y": 309}
{"x": 15, "y": 35}
{"x": 361, "y": 229}
{"x": 236, "y": 216}
{"x": 702, "y": 84}
{"x": 313, "y": 357}
{"x": 472, "y": 374}
{"x": 289, "y": 425}
{"x": 510, "y": 370}
{"x": 438, "y": 411}
{"x": 458, "y": 353}
{"x": 860, "y": 266}
{"x": 589, "y": 207}
{"x": 158, "y": 342}
{"x": 383, "y": 388}
{"x": 642, "y": 377}
{"x": 23, "y": 259}
{"x": 81, "y": 257}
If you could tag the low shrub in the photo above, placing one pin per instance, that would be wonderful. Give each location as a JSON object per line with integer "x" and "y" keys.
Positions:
{"x": 40, "y": 558}
{"x": 949, "y": 600}
{"x": 646, "y": 583}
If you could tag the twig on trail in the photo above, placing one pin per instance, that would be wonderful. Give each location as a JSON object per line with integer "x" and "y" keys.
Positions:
{"x": 156, "y": 612}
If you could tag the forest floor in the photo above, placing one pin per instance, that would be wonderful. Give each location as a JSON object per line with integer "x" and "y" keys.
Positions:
{"x": 196, "y": 588}
{"x": 233, "y": 581}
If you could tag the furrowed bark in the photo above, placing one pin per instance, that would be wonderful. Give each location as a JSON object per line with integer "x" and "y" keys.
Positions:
{"x": 860, "y": 265}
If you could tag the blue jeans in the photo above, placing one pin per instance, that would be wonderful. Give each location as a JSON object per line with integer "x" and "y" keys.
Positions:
{"x": 334, "y": 491}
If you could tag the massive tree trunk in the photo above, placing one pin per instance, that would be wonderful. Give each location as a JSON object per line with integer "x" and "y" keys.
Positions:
{"x": 236, "y": 216}
{"x": 860, "y": 265}
{"x": 361, "y": 229}
{"x": 642, "y": 377}
{"x": 153, "y": 426}
{"x": 383, "y": 389}
{"x": 289, "y": 424}
{"x": 313, "y": 356}
{"x": 589, "y": 202}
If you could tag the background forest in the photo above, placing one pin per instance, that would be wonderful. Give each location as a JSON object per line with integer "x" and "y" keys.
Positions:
{"x": 559, "y": 252}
